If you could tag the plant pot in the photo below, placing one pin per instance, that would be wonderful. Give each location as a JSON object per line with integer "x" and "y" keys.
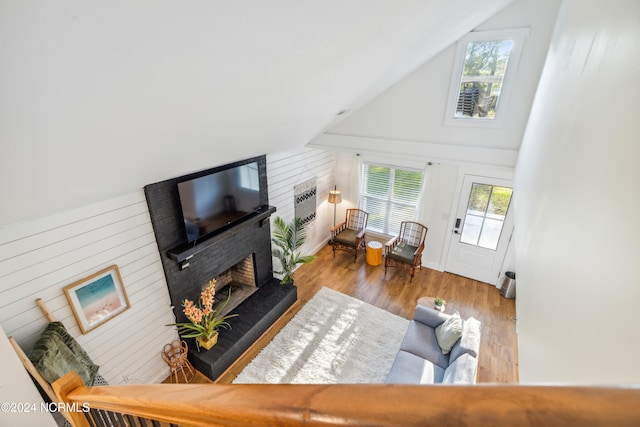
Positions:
{"x": 439, "y": 307}
{"x": 207, "y": 343}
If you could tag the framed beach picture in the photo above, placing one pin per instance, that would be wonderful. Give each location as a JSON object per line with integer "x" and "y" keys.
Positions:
{"x": 97, "y": 298}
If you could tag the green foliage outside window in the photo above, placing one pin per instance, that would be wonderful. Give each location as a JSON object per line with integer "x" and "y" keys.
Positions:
{"x": 485, "y": 66}
{"x": 490, "y": 199}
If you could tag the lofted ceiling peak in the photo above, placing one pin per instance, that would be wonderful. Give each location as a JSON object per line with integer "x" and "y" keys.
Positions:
{"x": 102, "y": 98}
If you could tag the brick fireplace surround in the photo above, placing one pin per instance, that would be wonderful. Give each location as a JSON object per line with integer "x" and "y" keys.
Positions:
{"x": 188, "y": 268}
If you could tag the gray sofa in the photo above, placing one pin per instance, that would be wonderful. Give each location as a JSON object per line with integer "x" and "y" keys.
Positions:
{"x": 421, "y": 359}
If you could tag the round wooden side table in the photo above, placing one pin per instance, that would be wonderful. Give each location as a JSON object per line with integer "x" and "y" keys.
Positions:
{"x": 374, "y": 253}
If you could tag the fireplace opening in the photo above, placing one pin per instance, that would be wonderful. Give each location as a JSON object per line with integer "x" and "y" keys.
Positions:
{"x": 240, "y": 281}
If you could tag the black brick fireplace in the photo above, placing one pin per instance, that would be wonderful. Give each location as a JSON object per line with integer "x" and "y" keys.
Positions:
{"x": 188, "y": 268}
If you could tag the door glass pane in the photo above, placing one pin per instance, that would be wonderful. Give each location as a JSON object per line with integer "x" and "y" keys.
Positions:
{"x": 486, "y": 212}
{"x": 471, "y": 229}
{"x": 479, "y": 199}
{"x": 485, "y": 65}
{"x": 490, "y": 233}
{"x": 499, "y": 202}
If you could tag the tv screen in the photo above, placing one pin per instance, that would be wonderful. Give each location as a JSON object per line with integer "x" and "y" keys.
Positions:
{"x": 214, "y": 201}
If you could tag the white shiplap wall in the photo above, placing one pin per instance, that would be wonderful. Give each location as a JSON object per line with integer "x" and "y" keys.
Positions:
{"x": 39, "y": 258}
{"x": 288, "y": 169}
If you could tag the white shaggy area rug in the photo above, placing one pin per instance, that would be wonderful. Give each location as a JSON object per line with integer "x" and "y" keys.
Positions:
{"x": 333, "y": 339}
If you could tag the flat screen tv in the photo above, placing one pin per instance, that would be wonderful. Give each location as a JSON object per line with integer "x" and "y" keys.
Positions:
{"x": 220, "y": 199}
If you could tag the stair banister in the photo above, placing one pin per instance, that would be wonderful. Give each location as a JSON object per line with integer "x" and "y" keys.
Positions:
{"x": 372, "y": 404}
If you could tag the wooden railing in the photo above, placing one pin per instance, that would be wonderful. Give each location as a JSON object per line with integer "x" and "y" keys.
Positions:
{"x": 361, "y": 405}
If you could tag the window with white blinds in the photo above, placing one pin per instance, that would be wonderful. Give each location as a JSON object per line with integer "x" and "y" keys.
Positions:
{"x": 390, "y": 196}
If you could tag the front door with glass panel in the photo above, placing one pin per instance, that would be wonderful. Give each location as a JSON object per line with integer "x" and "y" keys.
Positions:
{"x": 483, "y": 228}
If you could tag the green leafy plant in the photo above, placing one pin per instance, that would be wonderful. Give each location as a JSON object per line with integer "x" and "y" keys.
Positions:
{"x": 288, "y": 238}
{"x": 439, "y": 302}
{"x": 204, "y": 319}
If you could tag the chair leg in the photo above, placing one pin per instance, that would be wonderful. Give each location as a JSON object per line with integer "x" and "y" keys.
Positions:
{"x": 361, "y": 244}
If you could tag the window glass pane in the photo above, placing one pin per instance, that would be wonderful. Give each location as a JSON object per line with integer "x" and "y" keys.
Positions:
{"x": 389, "y": 196}
{"x": 485, "y": 65}
{"x": 376, "y": 209}
{"x": 377, "y": 180}
{"x": 407, "y": 185}
{"x": 398, "y": 214}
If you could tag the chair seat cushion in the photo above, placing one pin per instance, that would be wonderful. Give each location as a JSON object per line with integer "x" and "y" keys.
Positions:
{"x": 403, "y": 252}
{"x": 347, "y": 237}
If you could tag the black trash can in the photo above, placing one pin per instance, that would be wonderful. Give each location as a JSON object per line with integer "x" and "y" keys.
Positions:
{"x": 508, "y": 288}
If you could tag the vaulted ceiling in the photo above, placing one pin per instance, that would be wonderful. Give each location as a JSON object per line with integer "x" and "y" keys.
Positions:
{"x": 102, "y": 98}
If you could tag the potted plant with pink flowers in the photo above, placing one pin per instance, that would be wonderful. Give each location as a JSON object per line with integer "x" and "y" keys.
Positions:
{"x": 204, "y": 319}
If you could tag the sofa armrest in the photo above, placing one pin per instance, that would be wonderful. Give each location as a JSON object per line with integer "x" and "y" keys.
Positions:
{"x": 469, "y": 341}
{"x": 463, "y": 370}
{"x": 429, "y": 316}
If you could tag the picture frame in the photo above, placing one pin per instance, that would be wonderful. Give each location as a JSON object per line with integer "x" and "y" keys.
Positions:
{"x": 98, "y": 298}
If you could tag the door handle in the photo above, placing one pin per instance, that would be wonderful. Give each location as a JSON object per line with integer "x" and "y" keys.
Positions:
{"x": 458, "y": 220}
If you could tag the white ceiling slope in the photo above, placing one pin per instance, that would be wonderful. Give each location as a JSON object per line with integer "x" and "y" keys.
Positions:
{"x": 102, "y": 98}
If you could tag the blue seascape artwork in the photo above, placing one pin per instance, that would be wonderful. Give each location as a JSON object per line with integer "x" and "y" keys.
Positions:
{"x": 98, "y": 299}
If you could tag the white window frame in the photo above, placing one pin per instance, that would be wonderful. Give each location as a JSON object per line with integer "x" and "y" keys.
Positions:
{"x": 388, "y": 201}
{"x": 517, "y": 36}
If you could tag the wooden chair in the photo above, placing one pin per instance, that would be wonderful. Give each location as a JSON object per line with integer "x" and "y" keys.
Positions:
{"x": 405, "y": 250}
{"x": 349, "y": 235}
{"x": 175, "y": 355}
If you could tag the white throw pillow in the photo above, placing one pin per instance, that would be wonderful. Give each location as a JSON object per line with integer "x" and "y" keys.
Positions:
{"x": 449, "y": 332}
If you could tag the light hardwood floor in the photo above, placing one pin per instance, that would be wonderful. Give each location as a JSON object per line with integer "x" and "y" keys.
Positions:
{"x": 498, "y": 360}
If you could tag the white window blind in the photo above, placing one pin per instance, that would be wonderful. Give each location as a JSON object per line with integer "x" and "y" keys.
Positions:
{"x": 390, "y": 196}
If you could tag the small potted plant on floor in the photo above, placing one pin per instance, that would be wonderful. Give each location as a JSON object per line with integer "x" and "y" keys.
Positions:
{"x": 204, "y": 319}
{"x": 288, "y": 238}
{"x": 439, "y": 303}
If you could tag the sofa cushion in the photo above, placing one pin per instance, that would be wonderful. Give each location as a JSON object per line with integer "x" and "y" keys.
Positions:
{"x": 420, "y": 340}
{"x": 411, "y": 369}
{"x": 461, "y": 371}
{"x": 469, "y": 341}
{"x": 449, "y": 333}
